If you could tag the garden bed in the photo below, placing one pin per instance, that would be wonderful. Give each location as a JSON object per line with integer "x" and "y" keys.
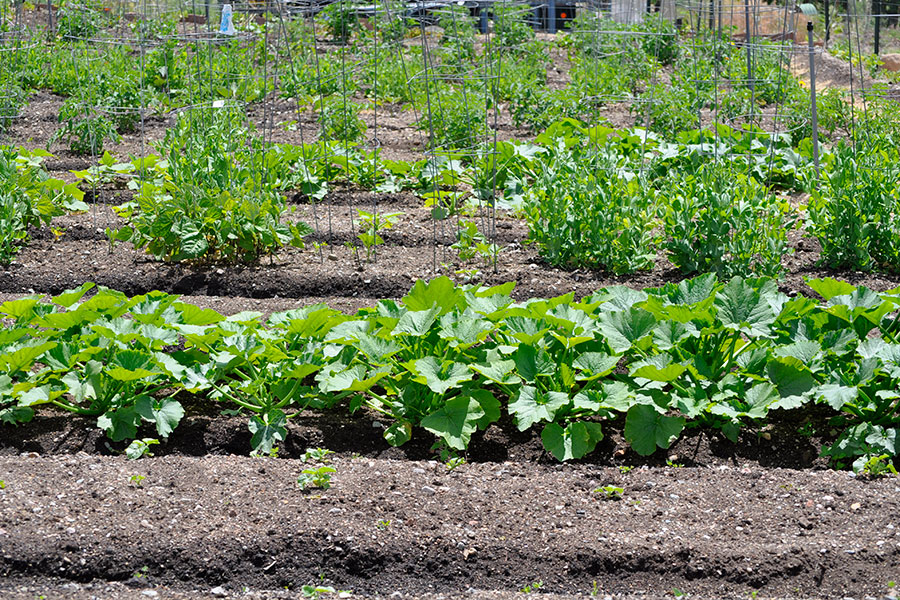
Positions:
{"x": 763, "y": 514}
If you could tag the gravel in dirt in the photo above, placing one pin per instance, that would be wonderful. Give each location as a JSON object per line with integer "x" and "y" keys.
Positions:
{"x": 388, "y": 526}
{"x": 707, "y": 518}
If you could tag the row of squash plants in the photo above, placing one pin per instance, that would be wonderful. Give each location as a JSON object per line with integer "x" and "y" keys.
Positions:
{"x": 451, "y": 359}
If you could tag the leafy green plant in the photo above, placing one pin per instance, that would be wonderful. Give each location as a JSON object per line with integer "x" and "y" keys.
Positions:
{"x": 316, "y": 591}
{"x": 77, "y": 21}
{"x": 454, "y": 462}
{"x": 392, "y": 23}
{"x": 370, "y": 224}
{"x": 339, "y": 119}
{"x": 316, "y": 478}
{"x": 12, "y": 99}
{"x": 610, "y": 492}
{"x": 875, "y": 467}
{"x": 456, "y": 118}
{"x": 209, "y": 198}
{"x": 855, "y": 213}
{"x": 666, "y": 108}
{"x": 394, "y": 76}
{"x": 726, "y": 225}
{"x": 581, "y": 213}
{"x": 140, "y": 448}
{"x": 83, "y": 130}
{"x": 450, "y": 359}
{"x": 470, "y": 242}
{"x": 510, "y": 26}
{"x": 538, "y": 108}
{"x": 660, "y": 41}
{"x": 458, "y": 41}
{"x": 316, "y": 455}
{"x": 534, "y": 586}
{"x": 137, "y": 480}
{"x": 340, "y": 20}
{"x": 29, "y": 197}
{"x": 122, "y": 102}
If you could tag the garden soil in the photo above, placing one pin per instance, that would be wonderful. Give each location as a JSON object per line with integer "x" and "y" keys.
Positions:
{"x": 90, "y": 524}
{"x": 709, "y": 518}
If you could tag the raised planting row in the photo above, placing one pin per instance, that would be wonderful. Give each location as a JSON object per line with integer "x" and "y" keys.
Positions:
{"x": 451, "y": 359}
{"x": 115, "y": 74}
{"x": 592, "y": 197}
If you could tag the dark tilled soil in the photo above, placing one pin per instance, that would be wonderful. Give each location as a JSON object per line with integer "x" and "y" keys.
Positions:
{"x": 721, "y": 520}
{"x": 386, "y": 526}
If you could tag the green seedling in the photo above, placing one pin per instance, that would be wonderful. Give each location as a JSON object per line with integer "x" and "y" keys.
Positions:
{"x": 807, "y": 430}
{"x": 371, "y": 223}
{"x": 319, "y": 455}
{"x": 140, "y": 448}
{"x": 876, "y": 467}
{"x": 316, "y": 478}
{"x": 610, "y": 492}
{"x": 141, "y": 573}
{"x": 455, "y": 462}
{"x": 383, "y": 524}
{"x": 533, "y": 587}
{"x": 623, "y": 469}
{"x": 137, "y": 480}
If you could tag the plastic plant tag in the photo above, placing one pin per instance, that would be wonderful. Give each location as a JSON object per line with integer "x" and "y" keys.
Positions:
{"x": 218, "y": 103}
{"x": 226, "y": 26}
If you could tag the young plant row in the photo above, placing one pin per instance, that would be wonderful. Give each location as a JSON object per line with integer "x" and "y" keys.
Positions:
{"x": 29, "y": 197}
{"x": 713, "y": 201}
{"x": 109, "y": 91}
{"x": 452, "y": 359}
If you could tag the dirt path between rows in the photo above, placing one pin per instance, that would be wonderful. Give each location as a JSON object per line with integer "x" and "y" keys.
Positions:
{"x": 226, "y": 525}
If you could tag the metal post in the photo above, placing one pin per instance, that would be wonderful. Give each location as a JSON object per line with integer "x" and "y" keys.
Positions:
{"x": 483, "y": 20}
{"x": 551, "y": 18}
{"x": 876, "y": 10}
{"x": 50, "y": 18}
{"x": 749, "y": 57}
{"x": 747, "y": 28}
{"x": 812, "y": 96}
{"x": 827, "y": 23}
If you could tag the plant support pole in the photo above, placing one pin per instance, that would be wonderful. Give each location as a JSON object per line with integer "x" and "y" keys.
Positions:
{"x": 812, "y": 96}
{"x": 551, "y": 17}
{"x": 749, "y": 57}
{"x": 827, "y": 24}
{"x": 876, "y": 10}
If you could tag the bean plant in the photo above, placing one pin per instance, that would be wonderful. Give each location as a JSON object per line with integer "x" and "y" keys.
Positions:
{"x": 723, "y": 222}
{"x": 582, "y": 213}
{"x": 855, "y": 214}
